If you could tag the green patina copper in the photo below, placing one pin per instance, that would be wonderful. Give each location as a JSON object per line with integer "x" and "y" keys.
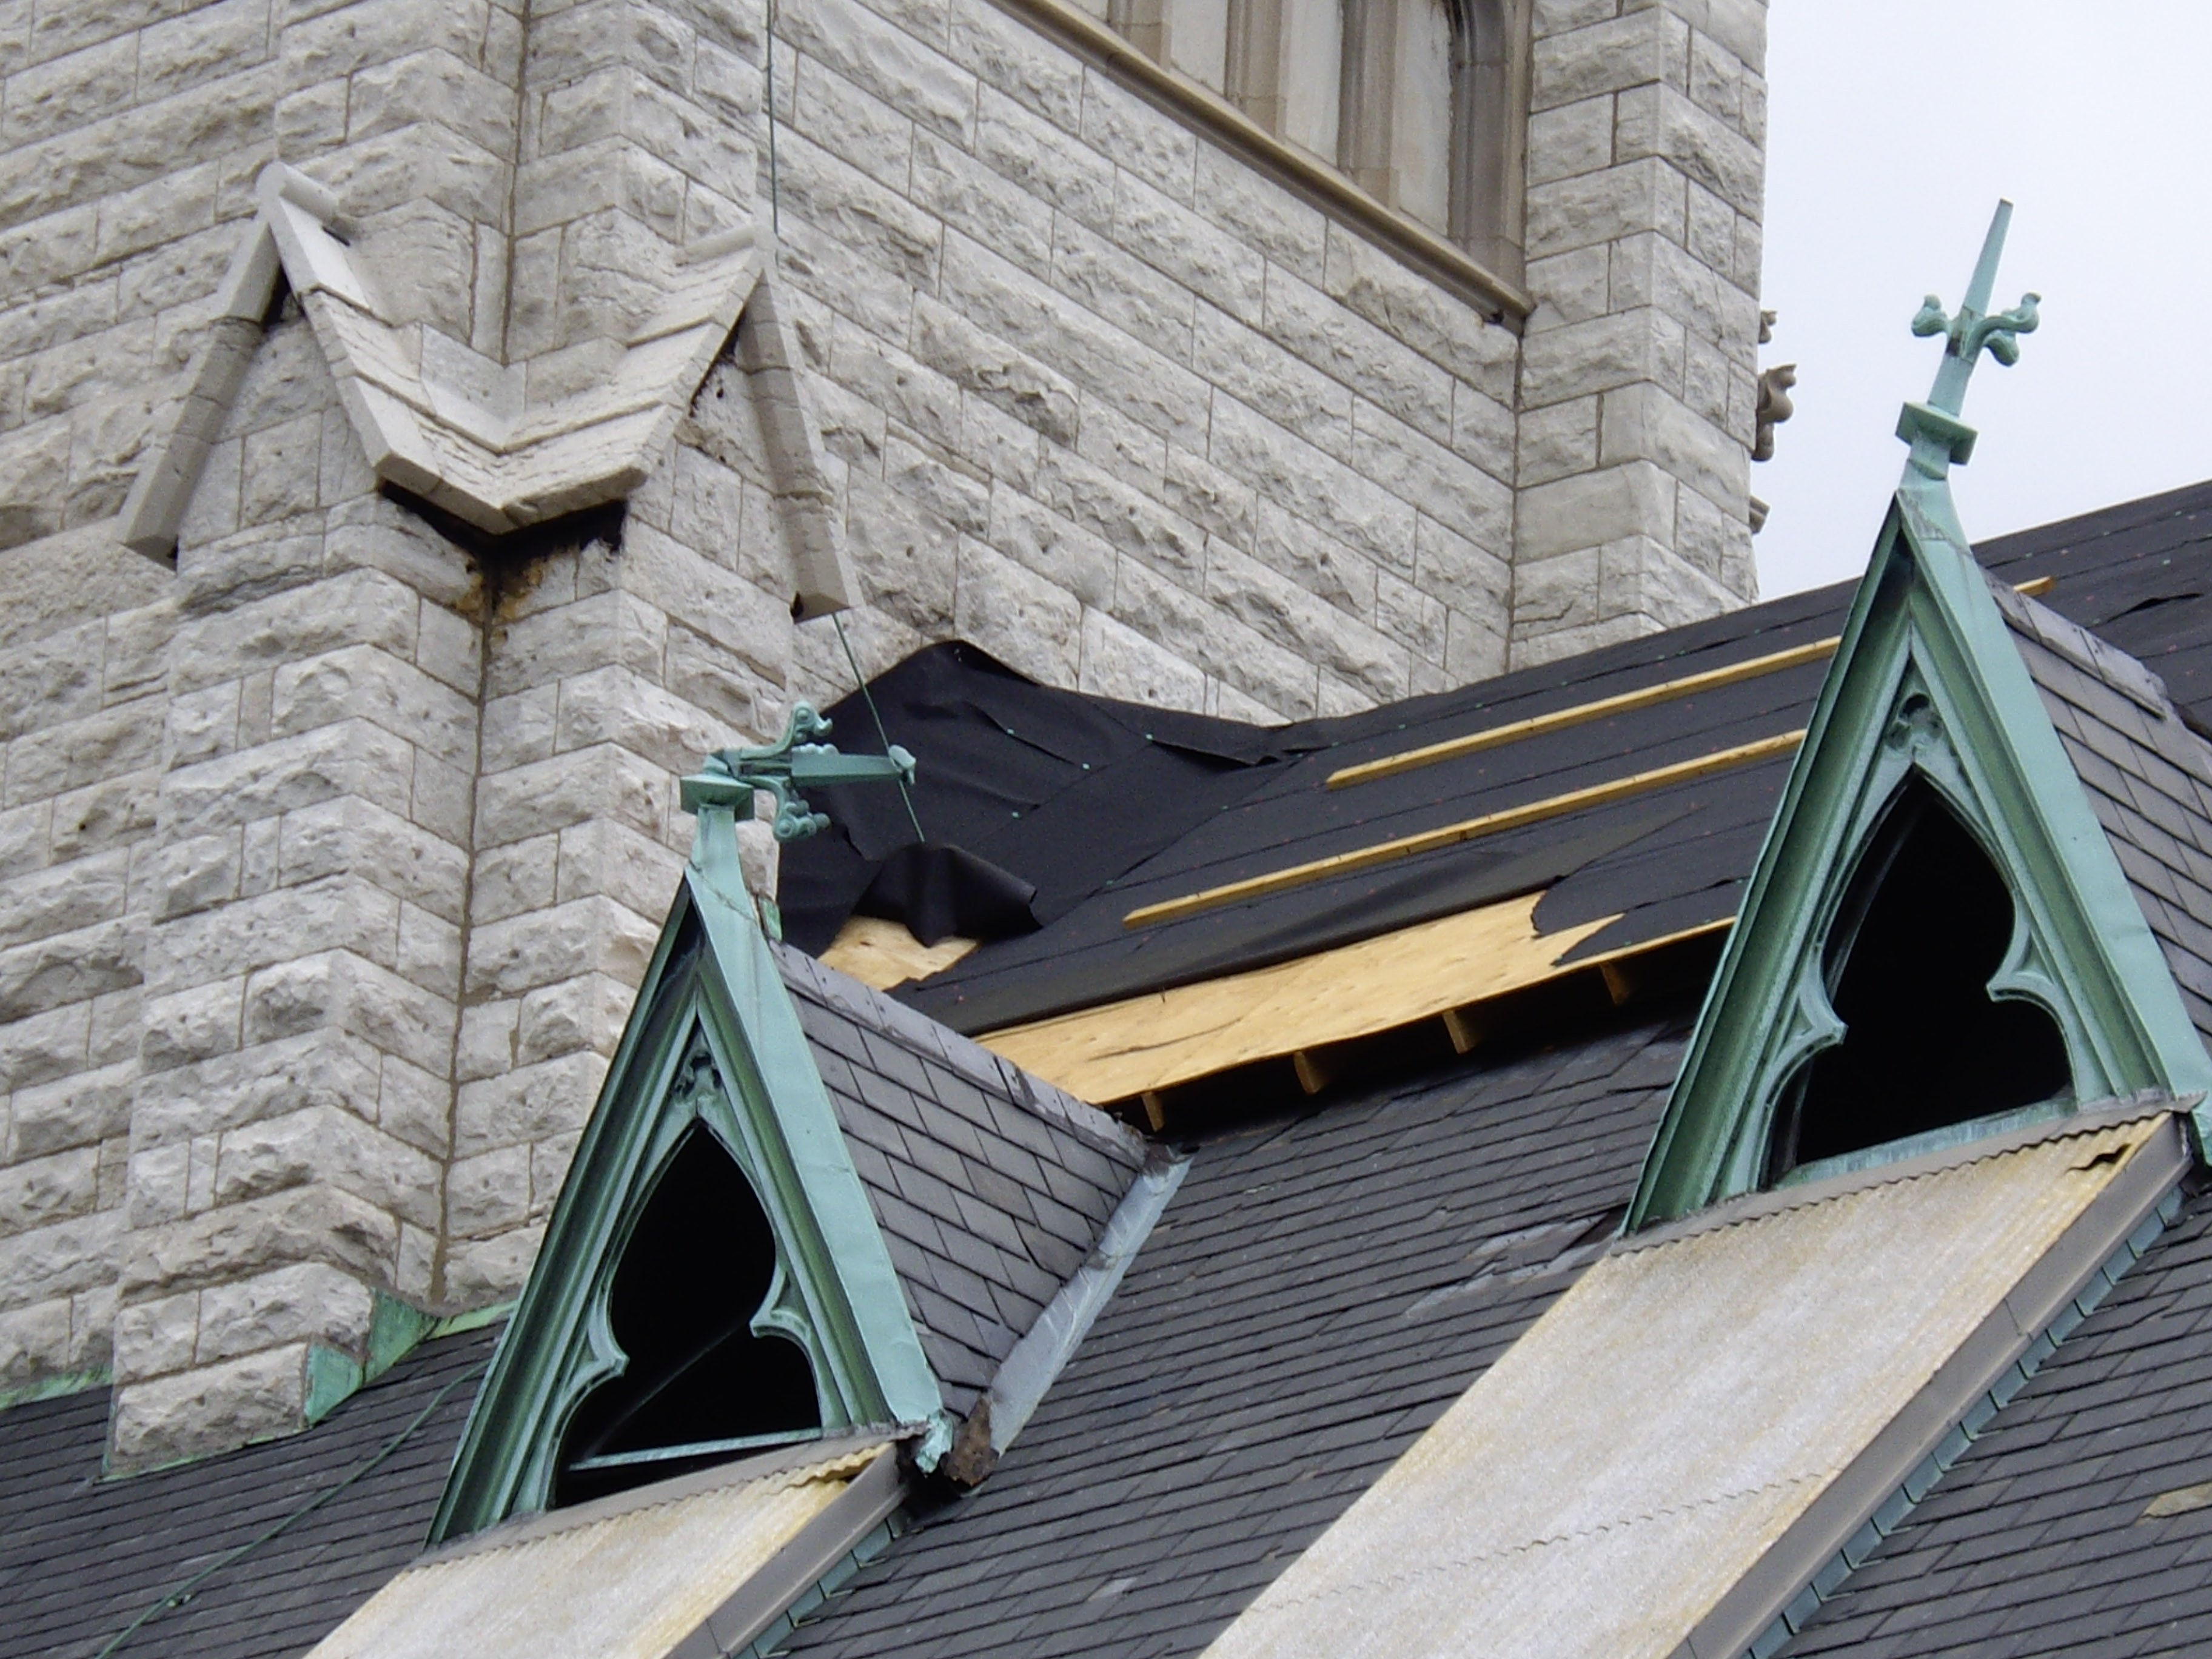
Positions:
{"x": 714, "y": 1040}
{"x": 1927, "y": 680}
{"x": 1939, "y": 438}
{"x": 780, "y": 769}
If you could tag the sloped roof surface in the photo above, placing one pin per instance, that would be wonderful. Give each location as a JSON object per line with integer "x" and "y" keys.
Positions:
{"x": 2139, "y": 574}
{"x": 2149, "y": 779}
{"x": 990, "y": 1185}
{"x": 2037, "y": 1542}
{"x": 1316, "y": 1293}
{"x": 80, "y": 1557}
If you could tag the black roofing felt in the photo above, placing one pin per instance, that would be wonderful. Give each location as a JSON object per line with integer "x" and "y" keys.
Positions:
{"x": 80, "y": 1557}
{"x": 990, "y": 1185}
{"x": 2036, "y": 1542}
{"x": 1314, "y": 1296}
{"x": 1062, "y": 790}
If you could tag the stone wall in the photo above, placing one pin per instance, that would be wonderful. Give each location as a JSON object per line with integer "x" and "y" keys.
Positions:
{"x": 1114, "y": 405}
{"x": 329, "y": 857}
{"x": 1647, "y": 141}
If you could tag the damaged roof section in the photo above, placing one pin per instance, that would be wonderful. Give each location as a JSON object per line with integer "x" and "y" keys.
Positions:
{"x": 991, "y": 1186}
{"x": 1031, "y": 778}
{"x": 1316, "y": 1295}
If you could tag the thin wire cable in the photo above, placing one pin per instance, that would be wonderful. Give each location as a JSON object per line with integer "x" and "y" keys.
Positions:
{"x": 869, "y": 697}
{"x": 182, "y": 1592}
{"x": 768, "y": 103}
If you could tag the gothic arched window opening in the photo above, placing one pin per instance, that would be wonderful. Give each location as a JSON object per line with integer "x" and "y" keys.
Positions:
{"x": 700, "y": 1386}
{"x": 1415, "y": 101}
{"x": 1924, "y": 926}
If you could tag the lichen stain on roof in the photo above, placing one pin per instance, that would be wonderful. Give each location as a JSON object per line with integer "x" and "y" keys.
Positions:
{"x": 625, "y": 1581}
{"x": 1596, "y": 1492}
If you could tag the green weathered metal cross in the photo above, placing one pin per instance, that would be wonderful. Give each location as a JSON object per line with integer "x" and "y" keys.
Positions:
{"x": 783, "y": 768}
{"x": 1939, "y": 438}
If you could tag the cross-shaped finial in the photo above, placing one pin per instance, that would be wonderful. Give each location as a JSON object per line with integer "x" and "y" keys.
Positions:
{"x": 782, "y": 768}
{"x": 1939, "y": 438}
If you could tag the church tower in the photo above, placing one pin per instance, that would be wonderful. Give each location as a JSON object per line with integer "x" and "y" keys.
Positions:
{"x": 427, "y": 429}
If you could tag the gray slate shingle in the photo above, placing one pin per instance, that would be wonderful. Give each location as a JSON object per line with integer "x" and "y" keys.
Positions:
{"x": 1316, "y": 1295}
{"x": 80, "y": 1557}
{"x": 2147, "y": 776}
{"x": 991, "y": 1186}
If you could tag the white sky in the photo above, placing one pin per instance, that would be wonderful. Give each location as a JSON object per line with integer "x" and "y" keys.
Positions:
{"x": 1895, "y": 126}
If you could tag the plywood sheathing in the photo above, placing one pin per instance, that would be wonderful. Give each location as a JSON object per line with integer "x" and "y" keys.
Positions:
{"x": 1162, "y": 1038}
{"x": 882, "y": 954}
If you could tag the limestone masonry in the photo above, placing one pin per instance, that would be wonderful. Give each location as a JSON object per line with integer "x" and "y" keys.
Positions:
{"x": 427, "y": 426}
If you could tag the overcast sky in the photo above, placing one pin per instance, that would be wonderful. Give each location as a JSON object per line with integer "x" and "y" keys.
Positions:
{"x": 1895, "y": 125}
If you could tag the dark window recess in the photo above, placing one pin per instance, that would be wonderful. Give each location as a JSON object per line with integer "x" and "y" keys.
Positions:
{"x": 701, "y": 1388}
{"x": 1923, "y": 927}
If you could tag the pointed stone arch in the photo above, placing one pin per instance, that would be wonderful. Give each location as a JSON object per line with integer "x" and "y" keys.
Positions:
{"x": 1926, "y": 689}
{"x": 458, "y": 429}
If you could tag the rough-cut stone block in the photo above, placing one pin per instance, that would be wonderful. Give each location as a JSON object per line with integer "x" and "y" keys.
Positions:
{"x": 1634, "y": 499}
{"x": 1644, "y": 346}
{"x": 1019, "y": 618}
{"x": 1659, "y": 121}
{"x": 212, "y": 1408}
{"x": 590, "y": 935}
{"x": 1641, "y": 47}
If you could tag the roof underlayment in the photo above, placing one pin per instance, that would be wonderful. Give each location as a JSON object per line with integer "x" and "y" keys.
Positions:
{"x": 1675, "y": 1421}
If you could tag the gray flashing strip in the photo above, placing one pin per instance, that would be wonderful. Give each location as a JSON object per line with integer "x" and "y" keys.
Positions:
{"x": 1901, "y": 1503}
{"x": 1750, "y": 1207}
{"x": 521, "y": 1529}
{"x": 817, "y": 1551}
{"x": 1902, "y": 1462}
{"x": 1037, "y": 1359}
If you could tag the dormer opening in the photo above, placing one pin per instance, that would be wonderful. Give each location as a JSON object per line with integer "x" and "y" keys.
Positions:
{"x": 1925, "y": 924}
{"x": 701, "y": 1385}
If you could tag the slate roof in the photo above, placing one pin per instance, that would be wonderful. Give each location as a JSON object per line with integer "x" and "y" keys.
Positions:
{"x": 2037, "y": 1542}
{"x": 80, "y": 1557}
{"x": 1320, "y": 1288}
{"x": 2148, "y": 778}
{"x": 1024, "y": 771}
{"x": 1315, "y": 1295}
{"x": 990, "y": 1185}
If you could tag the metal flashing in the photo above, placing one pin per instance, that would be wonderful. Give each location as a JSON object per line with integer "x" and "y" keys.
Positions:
{"x": 868, "y": 1502}
{"x": 1038, "y": 1358}
{"x": 542, "y": 1523}
{"x": 1907, "y": 1456}
{"x": 1750, "y": 1207}
{"x": 643, "y": 1581}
